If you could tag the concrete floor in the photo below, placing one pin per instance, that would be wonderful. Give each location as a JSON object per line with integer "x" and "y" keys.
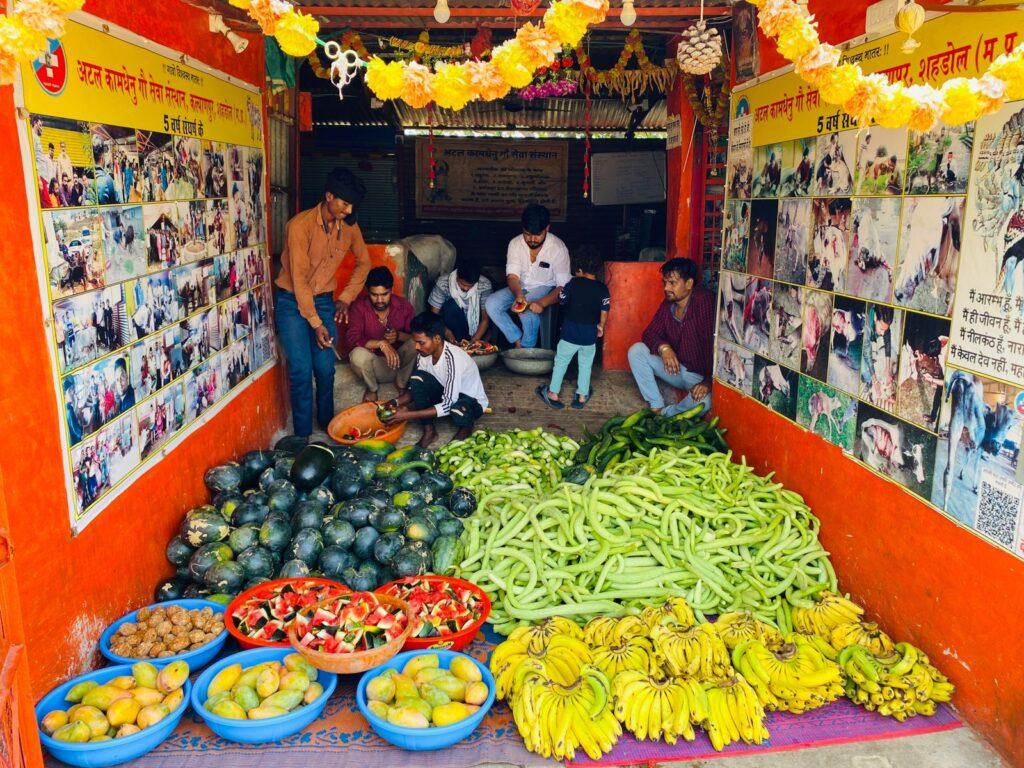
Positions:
{"x": 515, "y": 405}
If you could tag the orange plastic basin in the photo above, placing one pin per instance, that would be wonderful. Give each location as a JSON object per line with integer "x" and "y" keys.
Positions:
{"x": 364, "y": 418}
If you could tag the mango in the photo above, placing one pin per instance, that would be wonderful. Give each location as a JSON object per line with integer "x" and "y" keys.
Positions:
{"x": 296, "y": 662}
{"x": 265, "y": 712}
{"x": 213, "y": 701}
{"x": 245, "y": 697}
{"x": 144, "y": 674}
{"x": 423, "y": 661}
{"x": 476, "y": 693}
{"x": 447, "y": 714}
{"x": 71, "y": 712}
{"x": 229, "y": 709}
{"x": 248, "y": 677}
{"x": 174, "y": 698}
{"x": 124, "y": 682}
{"x": 405, "y": 688}
{"x": 379, "y": 708}
{"x": 224, "y": 680}
{"x": 381, "y": 689}
{"x": 147, "y": 696}
{"x": 429, "y": 675}
{"x": 152, "y": 715}
{"x": 451, "y": 685}
{"x": 268, "y": 682}
{"x": 128, "y": 729}
{"x": 77, "y": 732}
{"x": 435, "y": 697}
{"x": 102, "y": 737}
{"x": 407, "y": 717}
{"x": 123, "y": 711}
{"x": 465, "y": 669}
{"x": 53, "y": 720}
{"x": 102, "y": 696}
{"x": 172, "y": 677}
{"x": 314, "y": 692}
{"x": 286, "y": 700}
{"x": 93, "y": 718}
{"x": 79, "y": 690}
{"x": 414, "y": 703}
{"x": 296, "y": 680}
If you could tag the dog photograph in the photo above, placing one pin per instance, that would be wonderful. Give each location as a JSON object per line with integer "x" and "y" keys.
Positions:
{"x": 814, "y": 334}
{"x": 827, "y": 412}
{"x": 735, "y": 366}
{"x": 732, "y": 287}
{"x": 830, "y": 238}
{"x": 900, "y": 451}
{"x": 844, "y": 354}
{"x": 757, "y": 307}
{"x": 775, "y": 386}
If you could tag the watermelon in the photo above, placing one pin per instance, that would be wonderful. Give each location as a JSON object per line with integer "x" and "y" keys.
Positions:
{"x": 291, "y": 444}
{"x": 363, "y": 579}
{"x": 462, "y": 502}
{"x": 178, "y": 551}
{"x": 419, "y": 528}
{"x": 409, "y": 479}
{"x": 267, "y": 478}
{"x": 439, "y": 482}
{"x": 377, "y": 498}
{"x": 253, "y": 465}
{"x": 387, "y": 520}
{"x": 293, "y": 569}
{"x": 224, "y": 477}
{"x": 282, "y": 499}
{"x": 450, "y": 526}
{"x": 322, "y": 495}
{"x": 410, "y": 501}
{"x": 203, "y": 528}
{"x": 357, "y": 512}
{"x": 311, "y": 467}
{"x": 244, "y": 537}
{"x": 227, "y": 502}
{"x": 334, "y": 560}
{"x": 207, "y": 556}
{"x": 283, "y": 468}
{"x": 346, "y": 482}
{"x": 307, "y": 514}
{"x": 339, "y": 533}
{"x": 257, "y": 562}
{"x": 248, "y": 512}
{"x": 193, "y": 591}
{"x": 227, "y": 577}
{"x": 275, "y": 534}
{"x": 385, "y": 548}
{"x": 407, "y": 562}
{"x": 169, "y": 589}
{"x": 182, "y": 572}
{"x": 362, "y": 545}
{"x": 446, "y": 553}
{"x": 307, "y": 545}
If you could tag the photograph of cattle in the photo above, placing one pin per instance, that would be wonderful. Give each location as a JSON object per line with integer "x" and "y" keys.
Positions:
{"x": 798, "y": 167}
{"x": 757, "y": 307}
{"x": 873, "y": 236}
{"x": 814, "y": 334}
{"x": 767, "y": 170}
{"x": 921, "y": 373}
{"x": 883, "y": 329}
{"x": 940, "y": 160}
{"x": 929, "y": 253}
{"x": 900, "y": 451}
{"x": 761, "y": 248}
{"x": 847, "y": 343}
{"x": 979, "y": 443}
{"x": 730, "y": 306}
{"x": 776, "y": 386}
{"x": 881, "y": 161}
{"x": 827, "y": 412}
{"x": 830, "y": 241}
{"x": 791, "y": 240}
{"x": 836, "y": 154}
{"x": 736, "y": 235}
{"x": 735, "y": 366}
{"x": 786, "y": 320}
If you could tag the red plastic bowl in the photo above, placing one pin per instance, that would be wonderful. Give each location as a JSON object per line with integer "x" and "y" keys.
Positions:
{"x": 457, "y": 640}
{"x": 263, "y": 590}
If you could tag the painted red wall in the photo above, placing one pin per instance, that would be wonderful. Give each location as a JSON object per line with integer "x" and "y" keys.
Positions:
{"x": 635, "y": 288}
{"x": 680, "y": 161}
{"x": 71, "y": 588}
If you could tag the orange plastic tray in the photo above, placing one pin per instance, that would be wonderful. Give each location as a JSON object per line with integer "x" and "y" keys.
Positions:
{"x": 456, "y": 641}
{"x": 364, "y": 418}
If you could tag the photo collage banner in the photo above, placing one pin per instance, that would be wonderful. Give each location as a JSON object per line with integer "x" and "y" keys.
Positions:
{"x": 870, "y": 287}
{"x": 155, "y": 268}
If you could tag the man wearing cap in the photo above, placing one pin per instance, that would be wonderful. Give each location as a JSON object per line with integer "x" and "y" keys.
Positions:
{"x": 317, "y": 241}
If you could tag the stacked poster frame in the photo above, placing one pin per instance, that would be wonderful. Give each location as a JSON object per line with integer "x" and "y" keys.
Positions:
{"x": 872, "y": 286}
{"x": 151, "y": 248}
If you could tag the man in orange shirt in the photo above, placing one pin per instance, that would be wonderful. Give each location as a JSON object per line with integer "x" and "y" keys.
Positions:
{"x": 317, "y": 241}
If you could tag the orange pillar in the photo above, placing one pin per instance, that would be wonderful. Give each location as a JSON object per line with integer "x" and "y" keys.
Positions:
{"x": 680, "y": 161}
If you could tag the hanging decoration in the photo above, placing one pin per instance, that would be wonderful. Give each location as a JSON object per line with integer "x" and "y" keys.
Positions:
{"x": 873, "y": 97}
{"x": 422, "y": 47}
{"x": 524, "y": 7}
{"x": 430, "y": 147}
{"x": 710, "y": 105}
{"x": 344, "y": 66}
{"x": 627, "y": 83}
{"x": 26, "y": 31}
{"x": 481, "y": 44}
{"x": 700, "y": 49}
{"x": 549, "y": 89}
{"x": 586, "y": 139}
{"x": 909, "y": 19}
{"x": 296, "y": 33}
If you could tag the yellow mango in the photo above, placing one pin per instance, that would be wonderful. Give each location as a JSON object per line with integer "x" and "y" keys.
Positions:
{"x": 414, "y": 703}
{"x": 77, "y": 732}
{"x": 408, "y": 717}
{"x": 314, "y": 692}
{"x": 101, "y": 737}
{"x": 294, "y": 680}
{"x": 152, "y": 715}
{"x": 429, "y": 675}
{"x": 123, "y": 711}
{"x": 245, "y": 697}
{"x": 268, "y": 682}
{"x": 53, "y": 720}
{"x": 79, "y": 690}
{"x": 381, "y": 689}
{"x": 451, "y": 685}
{"x": 286, "y": 700}
{"x": 435, "y": 697}
{"x": 405, "y": 688}
{"x": 423, "y": 661}
{"x": 173, "y": 699}
{"x": 224, "y": 680}
{"x": 144, "y": 674}
{"x": 128, "y": 729}
{"x": 296, "y": 662}
{"x": 379, "y": 708}
{"x": 476, "y": 693}
{"x": 172, "y": 677}
{"x": 463, "y": 668}
{"x": 229, "y": 709}
{"x": 265, "y": 712}
{"x": 147, "y": 696}
{"x": 124, "y": 682}
{"x": 93, "y": 718}
{"x": 447, "y": 714}
{"x": 248, "y": 677}
{"x": 213, "y": 701}
{"x": 102, "y": 696}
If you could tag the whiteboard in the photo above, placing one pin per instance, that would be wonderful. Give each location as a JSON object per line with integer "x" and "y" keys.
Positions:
{"x": 622, "y": 178}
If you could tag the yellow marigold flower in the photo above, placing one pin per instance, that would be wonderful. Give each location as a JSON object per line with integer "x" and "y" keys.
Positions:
{"x": 19, "y": 41}
{"x": 894, "y": 107}
{"x": 1010, "y": 69}
{"x": 417, "y": 87}
{"x": 385, "y": 78}
{"x": 539, "y": 45}
{"x": 775, "y": 16}
{"x": 992, "y": 93}
{"x": 565, "y": 24}
{"x": 798, "y": 38}
{"x": 840, "y": 83}
{"x": 508, "y": 58}
{"x": 485, "y": 80}
{"x": 963, "y": 101}
{"x": 451, "y": 86}
{"x": 864, "y": 100}
{"x": 590, "y": 11}
{"x": 928, "y": 106}
{"x": 41, "y": 16}
{"x": 296, "y": 33}
{"x": 817, "y": 64}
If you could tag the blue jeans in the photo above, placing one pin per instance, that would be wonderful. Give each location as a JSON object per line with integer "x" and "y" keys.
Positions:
{"x": 306, "y": 361}
{"x": 647, "y": 368}
{"x": 563, "y": 356}
{"x": 500, "y": 302}
{"x": 455, "y": 320}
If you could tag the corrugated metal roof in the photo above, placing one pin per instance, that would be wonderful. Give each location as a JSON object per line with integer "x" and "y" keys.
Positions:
{"x": 557, "y": 114}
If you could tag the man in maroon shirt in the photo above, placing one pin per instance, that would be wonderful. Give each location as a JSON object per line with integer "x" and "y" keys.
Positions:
{"x": 677, "y": 343}
{"x": 378, "y": 338}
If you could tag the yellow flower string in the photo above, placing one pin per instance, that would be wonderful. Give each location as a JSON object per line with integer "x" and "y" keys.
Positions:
{"x": 24, "y": 34}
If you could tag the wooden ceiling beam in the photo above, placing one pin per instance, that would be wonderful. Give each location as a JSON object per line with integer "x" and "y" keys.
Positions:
{"x": 469, "y": 24}
{"x": 481, "y": 13}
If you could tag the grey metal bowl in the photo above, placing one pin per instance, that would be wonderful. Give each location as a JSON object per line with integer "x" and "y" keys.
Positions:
{"x": 483, "y": 362}
{"x": 529, "y": 362}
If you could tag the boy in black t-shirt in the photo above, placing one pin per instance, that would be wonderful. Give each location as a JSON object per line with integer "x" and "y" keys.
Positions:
{"x": 586, "y": 301}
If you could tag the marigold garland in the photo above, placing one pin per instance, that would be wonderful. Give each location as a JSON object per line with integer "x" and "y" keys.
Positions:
{"x": 25, "y": 33}
{"x": 296, "y": 33}
{"x": 627, "y": 83}
{"x": 873, "y": 97}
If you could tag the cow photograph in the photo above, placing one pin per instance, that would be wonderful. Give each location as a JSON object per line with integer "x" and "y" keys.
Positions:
{"x": 732, "y": 287}
{"x": 814, "y": 334}
{"x": 798, "y": 167}
{"x": 757, "y": 308}
{"x": 835, "y": 155}
{"x": 767, "y": 170}
{"x": 739, "y": 175}
{"x": 874, "y": 232}
{"x": 900, "y": 451}
{"x": 929, "y": 253}
{"x": 786, "y": 320}
{"x": 883, "y": 330}
{"x": 764, "y": 215}
{"x": 939, "y": 161}
{"x": 775, "y": 386}
{"x": 791, "y": 241}
{"x": 830, "y": 241}
{"x": 735, "y": 234}
{"x": 847, "y": 343}
{"x": 734, "y": 366}
{"x": 921, "y": 373}
{"x": 827, "y": 412}
{"x": 881, "y": 161}
{"x": 979, "y": 443}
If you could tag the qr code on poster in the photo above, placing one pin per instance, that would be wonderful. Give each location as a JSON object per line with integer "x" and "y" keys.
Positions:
{"x": 999, "y": 503}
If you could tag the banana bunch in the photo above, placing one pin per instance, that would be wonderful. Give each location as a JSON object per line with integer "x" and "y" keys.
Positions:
{"x": 600, "y": 630}
{"x": 538, "y": 635}
{"x": 900, "y": 684}
{"x": 734, "y": 713}
{"x": 632, "y": 652}
{"x": 829, "y": 611}
{"x": 560, "y": 656}
{"x": 654, "y": 707}
{"x": 736, "y": 627}
{"x": 821, "y": 644}
{"x": 675, "y": 612}
{"x": 861, "y": 633}
{"x": 795, "y": 678}
{"x": 555, "y": 719}
{"x": 696, "y": 652}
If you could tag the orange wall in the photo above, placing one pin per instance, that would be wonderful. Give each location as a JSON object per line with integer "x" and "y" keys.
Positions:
{"x": 680, "y": 161}
{"x": 924, "y": 579}
{"x": 71, "y": 588}
{"x": 635, "y": 288}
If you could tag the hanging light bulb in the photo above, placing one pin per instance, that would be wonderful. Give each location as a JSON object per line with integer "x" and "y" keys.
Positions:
{"x": 909, "y": 19}
{"x": 628, "y": 15}
{"x": 442, "y": 13}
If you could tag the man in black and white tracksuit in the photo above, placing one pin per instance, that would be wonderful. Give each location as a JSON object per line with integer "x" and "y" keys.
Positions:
{"x": 445, "y": 382}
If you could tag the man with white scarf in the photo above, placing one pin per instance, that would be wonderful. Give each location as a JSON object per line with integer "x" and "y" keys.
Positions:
{"x": 458, "y": 298}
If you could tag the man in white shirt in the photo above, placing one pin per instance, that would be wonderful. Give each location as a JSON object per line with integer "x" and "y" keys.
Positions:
{"x": 445, "y": 382}
{"x": 536, "y": 267}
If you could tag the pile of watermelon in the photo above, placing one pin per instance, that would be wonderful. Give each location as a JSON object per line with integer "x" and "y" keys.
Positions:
{"x": 349, "y": 623}
{"x": 439, "y": 608}
{"x": 266, "y": 615}
{"x": 362, "y": 515}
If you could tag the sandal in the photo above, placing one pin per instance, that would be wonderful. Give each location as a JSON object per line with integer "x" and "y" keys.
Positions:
{"x": 542, "y": 393}
{"x": 579, "y": 402}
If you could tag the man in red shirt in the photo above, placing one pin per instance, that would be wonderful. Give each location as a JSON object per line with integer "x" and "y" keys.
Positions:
{"x": 380, "y": 344}
{"x": 677, "y": 344}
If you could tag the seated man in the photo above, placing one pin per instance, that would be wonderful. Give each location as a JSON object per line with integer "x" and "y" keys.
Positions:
{"x": 445, "y": 382}
{"x": 537, "y": 266}
{"x": 458, "y": 298}
{"x": 380, "y": 348}
{"x": 677, "y": 345}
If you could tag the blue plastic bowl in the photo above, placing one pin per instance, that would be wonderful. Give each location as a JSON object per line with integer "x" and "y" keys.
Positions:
{"x": 196, "y": 659}
{"x": 424, "y": 739}
{"x": 259, "y": 731}
{"x": 112, "y": 752}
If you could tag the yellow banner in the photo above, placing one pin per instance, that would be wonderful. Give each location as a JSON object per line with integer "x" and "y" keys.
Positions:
{"x": 953, "y": 45}
{"x": 92, "y": 76}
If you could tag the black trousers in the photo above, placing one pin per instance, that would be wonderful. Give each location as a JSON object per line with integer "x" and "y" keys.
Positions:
{"x": 427, "y": 391}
